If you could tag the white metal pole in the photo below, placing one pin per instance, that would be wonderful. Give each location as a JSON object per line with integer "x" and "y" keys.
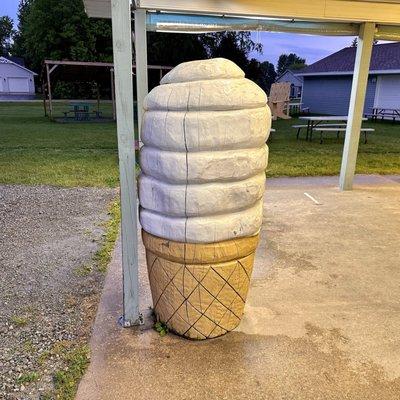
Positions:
{"x": 141, "y": 63}
{"x": 122, "y": 50}
{"x": 356, "y": 108}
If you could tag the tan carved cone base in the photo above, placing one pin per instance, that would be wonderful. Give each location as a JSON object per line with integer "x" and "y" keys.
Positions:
{"x": 199, "y": 290}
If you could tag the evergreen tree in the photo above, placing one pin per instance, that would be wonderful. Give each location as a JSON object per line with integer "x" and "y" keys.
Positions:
{"x": 18, "y": 47}
{"x": 6, "y": 33}
{"x": 355, "y": 42}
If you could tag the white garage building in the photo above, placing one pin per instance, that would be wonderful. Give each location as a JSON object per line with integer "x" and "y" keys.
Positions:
{"x": 16, "y": 81}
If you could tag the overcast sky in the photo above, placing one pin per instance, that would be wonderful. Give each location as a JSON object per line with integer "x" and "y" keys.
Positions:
{"x": 9, "y": 7}
{"x": 312, "y": 48}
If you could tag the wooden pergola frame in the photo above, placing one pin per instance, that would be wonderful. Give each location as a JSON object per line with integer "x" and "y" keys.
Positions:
{"x": 51, "y": 65}
{"x": 367, "y": 19}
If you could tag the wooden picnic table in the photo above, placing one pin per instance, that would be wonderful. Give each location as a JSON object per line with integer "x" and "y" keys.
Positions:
{"x": 314, "y": 120}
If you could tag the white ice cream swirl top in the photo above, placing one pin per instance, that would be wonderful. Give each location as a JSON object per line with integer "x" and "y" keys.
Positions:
{"x": 204, "y": 156}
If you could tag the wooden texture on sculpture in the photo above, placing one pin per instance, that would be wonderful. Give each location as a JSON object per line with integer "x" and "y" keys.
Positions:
{"x": 203, "y": 178}
{"x": 199, "y": 290}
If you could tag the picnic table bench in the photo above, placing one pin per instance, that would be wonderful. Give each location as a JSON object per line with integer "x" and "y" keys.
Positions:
{"x": 81, "y": 111}
{"x": 300, "y": 127}
{"x": 390, "y": 113}
{"x": 297, "y": 108}
{"x": 318, "y": 120}
{"x": 338, "y": 130}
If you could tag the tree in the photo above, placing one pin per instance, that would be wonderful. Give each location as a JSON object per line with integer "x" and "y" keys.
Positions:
{"x": 172, "y": 49}
{"x": 290, "y": 61}
{"x": 18, "y": 47}
{"x": 60, "y": 29}
{"x": 235, "y": 46}
{"x": 6, "y": 33}
{"x": 262, "y": 73}
{"x": 355, "y": 42}
{"x": 269, "y": 74}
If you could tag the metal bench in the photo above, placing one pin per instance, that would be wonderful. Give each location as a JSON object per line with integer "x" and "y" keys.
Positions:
{"x": 338, "y": 130}
{"x": 383, "y": 116}
{"x": 384, "y": 113}
{"x": 299, "y": 127}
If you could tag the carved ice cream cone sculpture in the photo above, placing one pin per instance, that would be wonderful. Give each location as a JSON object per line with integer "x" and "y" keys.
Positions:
{"x": 201, "y": 194}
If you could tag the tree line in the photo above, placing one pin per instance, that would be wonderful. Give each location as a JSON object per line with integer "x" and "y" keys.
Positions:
{"x": 61, "y": 30}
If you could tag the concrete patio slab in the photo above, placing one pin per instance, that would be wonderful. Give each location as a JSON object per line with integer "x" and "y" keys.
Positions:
{"x": 322, "y": 319}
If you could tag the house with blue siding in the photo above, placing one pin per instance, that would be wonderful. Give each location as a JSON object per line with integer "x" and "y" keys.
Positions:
{"x": 296, "y": 82}
{"x": 327, "y": 83}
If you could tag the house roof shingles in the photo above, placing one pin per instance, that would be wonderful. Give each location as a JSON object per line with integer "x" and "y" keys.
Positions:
{"x": 385, "y": 57}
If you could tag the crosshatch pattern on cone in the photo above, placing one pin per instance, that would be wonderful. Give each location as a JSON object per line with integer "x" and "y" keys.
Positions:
{"x": 195, "y": 295}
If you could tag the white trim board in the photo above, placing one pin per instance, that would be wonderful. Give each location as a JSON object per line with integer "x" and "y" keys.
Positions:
{"x": 4, "y": 60}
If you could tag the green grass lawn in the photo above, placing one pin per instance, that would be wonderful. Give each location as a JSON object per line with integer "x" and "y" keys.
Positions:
{"x": 34, "y": 150}
{"x": 291, "y": 157}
